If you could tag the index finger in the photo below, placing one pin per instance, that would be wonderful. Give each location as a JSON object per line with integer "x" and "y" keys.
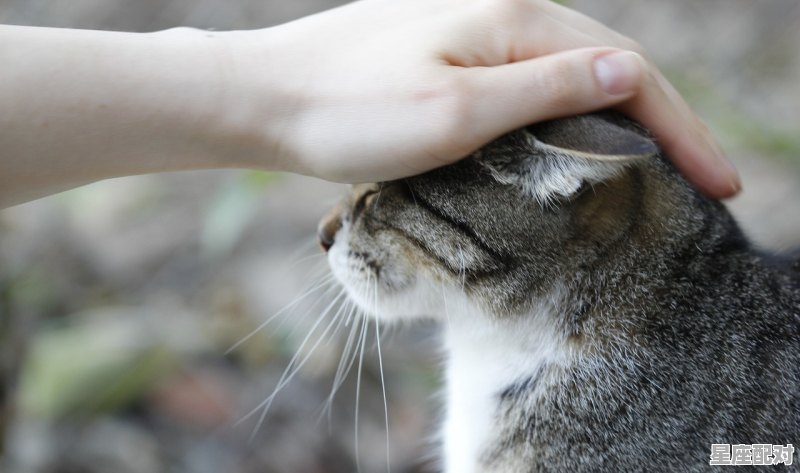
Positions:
{"x": 684, "y": 138}
{"x": 657, "y": 105}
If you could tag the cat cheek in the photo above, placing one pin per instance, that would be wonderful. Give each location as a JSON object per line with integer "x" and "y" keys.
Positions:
{"x": 342, "y": 263}
{"x": 338, "y": 262}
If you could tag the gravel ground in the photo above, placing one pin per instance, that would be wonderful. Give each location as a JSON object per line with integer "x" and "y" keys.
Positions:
{"x": 118, "y": 300}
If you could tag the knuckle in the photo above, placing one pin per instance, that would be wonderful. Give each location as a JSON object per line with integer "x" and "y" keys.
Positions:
{"x": 456, "y": 109}
{"x": 555, "y": 86}
{"x": 446, "y": 91}
{"x": 451, "y": 109}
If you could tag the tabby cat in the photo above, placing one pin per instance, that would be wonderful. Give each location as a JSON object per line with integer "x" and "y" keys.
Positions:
{"x": 600, "y": 314}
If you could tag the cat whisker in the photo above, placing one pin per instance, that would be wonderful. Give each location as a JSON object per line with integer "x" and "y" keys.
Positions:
{"x": 383, "y": 380}
{"x": 362, "y": 342}
{"x": 307, "y": 249}
{"x": 334, "y": 320}
{"x": 463, "y": 267}
{"x": 411, "y": 191}
{"x": 345, "y": 361}
{"x": 340, "y": 317}
{"x": 380, "y": 192}
{"x": 446, "y": 307}
{"x": 324, "y": 281}
{"x": 324, "y": 298}
{"x": 293, "y": 367}
{"x": 343, "y": 366}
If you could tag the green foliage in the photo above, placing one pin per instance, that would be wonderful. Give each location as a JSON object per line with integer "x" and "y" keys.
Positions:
{"x": 760, "y": 137}
{"x": 32, "y": 292}
{"x": 733, "y": 124}
{"x": 87, "y": 368}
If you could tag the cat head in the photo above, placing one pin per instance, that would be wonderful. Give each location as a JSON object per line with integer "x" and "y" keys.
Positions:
{"x": 500, "y": 228}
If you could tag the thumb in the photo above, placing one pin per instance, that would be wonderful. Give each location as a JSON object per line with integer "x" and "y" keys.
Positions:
{"x": 577, "y": 81}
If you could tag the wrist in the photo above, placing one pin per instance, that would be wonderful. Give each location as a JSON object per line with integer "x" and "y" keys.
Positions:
{"x": 188, "y": 76}
{"x": 259, "y": 98}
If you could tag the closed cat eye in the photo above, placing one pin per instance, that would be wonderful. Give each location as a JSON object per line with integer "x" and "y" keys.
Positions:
{"x": 361, "y": 203}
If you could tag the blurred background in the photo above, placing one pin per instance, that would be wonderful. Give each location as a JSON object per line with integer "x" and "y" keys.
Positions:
{"x": 119, "y": 301}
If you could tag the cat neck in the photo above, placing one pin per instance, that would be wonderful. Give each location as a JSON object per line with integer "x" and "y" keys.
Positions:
{"x": 487, "y": 357}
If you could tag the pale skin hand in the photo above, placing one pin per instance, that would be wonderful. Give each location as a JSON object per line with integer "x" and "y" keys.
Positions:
{"x": 374, "y": 90}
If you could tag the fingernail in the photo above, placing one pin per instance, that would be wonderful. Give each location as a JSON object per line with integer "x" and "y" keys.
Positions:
{"x": 733, "y": 178}
{"x": 731, "y": 175}
{"x": 618, "y": 73}
{"x": 736, "y": 185}
{"x": 734, "y": 181}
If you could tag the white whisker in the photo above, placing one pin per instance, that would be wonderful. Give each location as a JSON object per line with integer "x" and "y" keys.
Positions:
{"x": 380, "y": 192}
{"x": 463, "y": 267}
{"x": 383, "y": 384}
{"x": 325, "y": 280}
{"x": 345, "y": 362}
{"x": 293, "y": 367}
{"x": 316, "y": 254}
{"x": 411, "y": 191}
{"x": 446, "y": 307}
{"x": 362, "y": 342}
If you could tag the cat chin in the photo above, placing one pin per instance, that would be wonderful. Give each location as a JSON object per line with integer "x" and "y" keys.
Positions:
{"x": 412, "y": 302}
{"x": 402, "y": 297}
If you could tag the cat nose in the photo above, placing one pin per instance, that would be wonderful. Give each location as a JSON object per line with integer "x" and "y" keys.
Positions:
{"x": 328, "y": 226}
{"x": 326, "y": 239}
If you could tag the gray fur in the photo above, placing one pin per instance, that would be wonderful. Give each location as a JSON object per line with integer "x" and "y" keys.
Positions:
{"x": 684, "y": 335}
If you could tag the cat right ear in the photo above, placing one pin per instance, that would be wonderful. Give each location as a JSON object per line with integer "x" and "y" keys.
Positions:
{"x": 556, "y": 158}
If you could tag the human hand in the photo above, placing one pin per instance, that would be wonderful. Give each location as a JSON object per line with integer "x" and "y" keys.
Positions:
{"x": 374, "y": 90}
{"x": 381, "y": 89}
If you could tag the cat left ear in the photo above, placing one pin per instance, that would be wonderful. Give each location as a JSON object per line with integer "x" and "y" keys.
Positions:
{"x": 556, "y": 158}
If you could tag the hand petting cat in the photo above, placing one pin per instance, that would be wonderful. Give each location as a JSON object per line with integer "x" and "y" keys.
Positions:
{"x": 373, "y": 90}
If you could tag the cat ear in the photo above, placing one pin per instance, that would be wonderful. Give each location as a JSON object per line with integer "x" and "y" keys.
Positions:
{"x": 556, "y": 158}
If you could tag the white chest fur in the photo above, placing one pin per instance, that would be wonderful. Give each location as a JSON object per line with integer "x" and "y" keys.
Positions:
{"x": 485, "y": 357}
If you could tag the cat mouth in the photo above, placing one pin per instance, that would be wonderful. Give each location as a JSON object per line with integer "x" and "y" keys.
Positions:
{"x": 379, "y": 288}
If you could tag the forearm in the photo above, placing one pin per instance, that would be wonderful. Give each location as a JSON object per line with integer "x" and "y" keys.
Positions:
{"x": 79, "y": 106}
{"x": 372, "y": 91}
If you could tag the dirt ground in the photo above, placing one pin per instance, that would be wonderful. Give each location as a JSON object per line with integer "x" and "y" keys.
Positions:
{"x": 119, "y": 300}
